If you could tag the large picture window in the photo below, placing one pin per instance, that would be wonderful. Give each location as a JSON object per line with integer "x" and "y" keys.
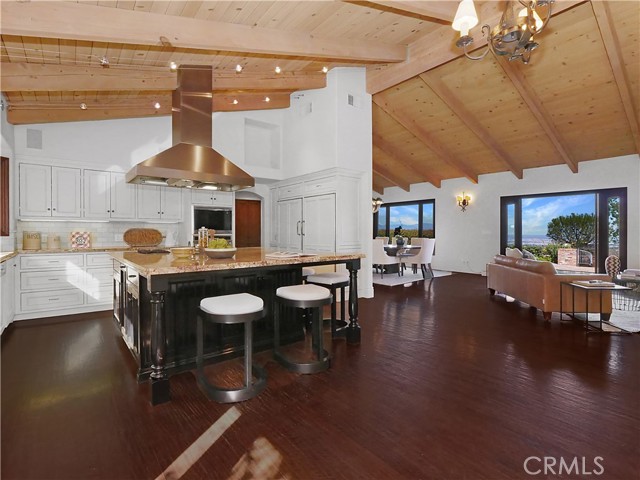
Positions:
{"x": 416, "y": 219}
{"x": 575, "y": 230}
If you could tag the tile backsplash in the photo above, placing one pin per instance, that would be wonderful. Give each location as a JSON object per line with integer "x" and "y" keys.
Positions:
{"x": 103, "y": 234}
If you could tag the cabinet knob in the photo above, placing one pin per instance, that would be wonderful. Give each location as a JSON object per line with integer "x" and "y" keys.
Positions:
{"x": 48, "y": 208}
{"x": 54, "y": 209}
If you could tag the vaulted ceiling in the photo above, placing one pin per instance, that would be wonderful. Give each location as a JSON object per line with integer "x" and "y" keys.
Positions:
{"x": 436, "y": 114}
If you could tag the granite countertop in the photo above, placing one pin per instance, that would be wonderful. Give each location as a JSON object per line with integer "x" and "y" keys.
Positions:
{"x": 4, "y": 256}
{"x": 79, "y": 250}
{"x": 166, "y": 263}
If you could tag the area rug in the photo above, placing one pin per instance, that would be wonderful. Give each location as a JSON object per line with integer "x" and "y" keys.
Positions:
{"x": 628, "y": 320}
{"x": 393, "y": 280}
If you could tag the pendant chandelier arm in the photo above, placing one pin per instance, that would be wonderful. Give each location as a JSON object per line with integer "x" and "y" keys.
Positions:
{"x": 483, "y": 54}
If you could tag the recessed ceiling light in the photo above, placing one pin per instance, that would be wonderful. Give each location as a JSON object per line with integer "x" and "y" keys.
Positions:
{"x": 278, "y": 70}
{"x": 83, "y": 106}
{"x": 238, "y": 68}
{"x": 325, "y": 69}
{"x": 156, "y": 105}
{"x": 173, "y": 66}
{"x": 235, "y": 101}
{"x": 104, "y": 61}
{"x": 267, "y": 99}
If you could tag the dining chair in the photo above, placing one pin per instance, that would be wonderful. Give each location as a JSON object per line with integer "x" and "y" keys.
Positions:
{"x": 380, "y": 257}
{"x": 424, "y": 256}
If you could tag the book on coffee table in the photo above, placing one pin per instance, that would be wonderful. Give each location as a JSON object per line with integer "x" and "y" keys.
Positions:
{"x": 594, "y": 283}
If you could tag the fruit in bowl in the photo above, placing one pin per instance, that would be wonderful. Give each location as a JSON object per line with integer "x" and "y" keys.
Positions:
{"x": 219, "y": 248}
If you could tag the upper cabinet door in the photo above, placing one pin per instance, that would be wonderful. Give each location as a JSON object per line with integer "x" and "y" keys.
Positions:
{"x": 97, "y": 194}
{"x": 171, "y": 203}
{"x": 148, "y": 202}
{"x": 65, "y": 192}
{"x": 201, "y": 197}
{"x": 35, "y": 190}
{"x": 123, "y": 197}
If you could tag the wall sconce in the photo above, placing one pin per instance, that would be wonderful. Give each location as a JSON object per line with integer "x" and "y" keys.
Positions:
{"x": 463, "y": 201}
{"x": 375, "y": 204}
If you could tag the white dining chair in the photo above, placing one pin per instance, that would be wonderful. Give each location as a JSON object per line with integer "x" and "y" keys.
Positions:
{"x": 424, "y": 256}
{"x": 380, "y": 257}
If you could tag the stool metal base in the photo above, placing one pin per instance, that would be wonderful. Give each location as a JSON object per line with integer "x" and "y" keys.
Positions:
{"x": 251, "y": 387}
{"x": 338, "y": 326}
{"x": 322, "y": 361}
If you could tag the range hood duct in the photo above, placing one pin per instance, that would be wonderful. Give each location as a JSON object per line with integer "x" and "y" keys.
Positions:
{"x": 191, "y": 161}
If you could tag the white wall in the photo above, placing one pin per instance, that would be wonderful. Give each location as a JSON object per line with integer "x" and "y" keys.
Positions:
{"x": 7, "y": 244}
{"x": 467, "y": 241}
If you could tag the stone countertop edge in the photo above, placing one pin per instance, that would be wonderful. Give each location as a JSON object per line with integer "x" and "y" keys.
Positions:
{"x": 4, "y": 256}
{"x": 166, "y": 264}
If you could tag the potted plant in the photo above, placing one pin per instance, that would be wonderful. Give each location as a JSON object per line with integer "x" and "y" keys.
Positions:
{"x": 397, "y": 233}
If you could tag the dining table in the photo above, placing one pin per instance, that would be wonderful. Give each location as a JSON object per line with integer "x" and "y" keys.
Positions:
{"x": 403, "y": 252}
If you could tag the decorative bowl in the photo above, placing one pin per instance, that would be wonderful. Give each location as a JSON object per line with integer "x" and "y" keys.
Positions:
{"x": 220, "y": 252}
{"x": 182, "y": 252}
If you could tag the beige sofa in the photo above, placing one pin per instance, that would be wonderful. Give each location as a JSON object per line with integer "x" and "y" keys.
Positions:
{"x": 538, "y": 284}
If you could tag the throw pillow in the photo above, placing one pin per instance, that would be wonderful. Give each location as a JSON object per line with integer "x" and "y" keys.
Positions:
{"x": 513, "y": 252}
{"x": 528, "y": 254}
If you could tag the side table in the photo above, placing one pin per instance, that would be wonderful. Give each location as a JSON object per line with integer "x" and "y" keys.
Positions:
{"x": 589, "y": 326}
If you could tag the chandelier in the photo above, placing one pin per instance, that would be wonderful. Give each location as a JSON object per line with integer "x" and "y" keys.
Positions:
{"x": 513, "y": 36}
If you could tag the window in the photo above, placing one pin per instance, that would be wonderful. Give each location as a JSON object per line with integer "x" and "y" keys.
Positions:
{"x": 417, "y": 219}
{"x": 575, "y": 230}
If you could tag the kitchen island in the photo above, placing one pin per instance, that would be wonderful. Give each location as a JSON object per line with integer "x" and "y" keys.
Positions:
{"x": 156, "y": 298}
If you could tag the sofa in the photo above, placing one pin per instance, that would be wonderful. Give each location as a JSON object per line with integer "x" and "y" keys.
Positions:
{"x": 538, "y": 284}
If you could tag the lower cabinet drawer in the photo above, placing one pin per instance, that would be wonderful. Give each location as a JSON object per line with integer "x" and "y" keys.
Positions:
{"x": 33, "y": 301}
{"x": 68, "y": 278}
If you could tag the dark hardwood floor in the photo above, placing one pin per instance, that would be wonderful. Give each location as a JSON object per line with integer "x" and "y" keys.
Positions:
{"x": 447, "y": 384}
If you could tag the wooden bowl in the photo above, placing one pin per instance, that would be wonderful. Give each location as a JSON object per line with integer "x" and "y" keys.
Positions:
{"x": 182, "y": 252}
{"x": 220, "y": 252}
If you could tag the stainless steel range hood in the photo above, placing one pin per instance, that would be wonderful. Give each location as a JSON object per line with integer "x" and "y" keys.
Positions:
{"x": 191, "y": 161}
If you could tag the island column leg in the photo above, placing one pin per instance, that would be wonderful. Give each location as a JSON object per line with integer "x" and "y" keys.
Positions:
{"x": 159, "y": 380}
{"x": 353, "y": 329}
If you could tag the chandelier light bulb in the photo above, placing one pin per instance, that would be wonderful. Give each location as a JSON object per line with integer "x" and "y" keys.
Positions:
{"x": 466, "y": 17}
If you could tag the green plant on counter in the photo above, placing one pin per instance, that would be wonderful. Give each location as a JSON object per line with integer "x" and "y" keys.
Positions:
{"x": 219, "y": 243}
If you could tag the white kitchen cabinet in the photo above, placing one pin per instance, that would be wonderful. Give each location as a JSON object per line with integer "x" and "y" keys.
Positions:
{"x": 273, "y": 214}
{"x": 318, "y": 212}
{"x": 211, "y": 197}
{"x": 290, "y": 225}
{"x": 160, "y": 203}
{"x": 7, "y": 292}
{"x": 108, "y": 195}
{"x": 47, "y": 191}
{"x": 319, "y": 223}
{"x": 64, "y": 283}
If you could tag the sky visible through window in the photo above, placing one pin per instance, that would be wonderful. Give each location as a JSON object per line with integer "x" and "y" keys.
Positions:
{"x": 537, "y": 212}
{"x": 407, "y": 217}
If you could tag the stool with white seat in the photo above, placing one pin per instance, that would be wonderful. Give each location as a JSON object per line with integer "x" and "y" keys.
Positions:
{"x": 334, "y": 281}
{"x": 304, "y": 296}
{"x": 231, "y": 309}
{"x": 306, "y": 272}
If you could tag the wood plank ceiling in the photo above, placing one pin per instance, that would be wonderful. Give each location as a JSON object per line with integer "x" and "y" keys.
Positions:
{"x": 436, "y": 115}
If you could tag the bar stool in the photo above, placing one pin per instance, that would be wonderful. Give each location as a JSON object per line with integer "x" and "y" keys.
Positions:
{"x": 333, "y": 281}
{"x": 307, "y": 271}
{"x": 307, "y": 297}
{"x": 231, "y": 309}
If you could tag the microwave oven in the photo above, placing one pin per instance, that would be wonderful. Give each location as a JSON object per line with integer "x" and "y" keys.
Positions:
{"x": 218, "y": 218}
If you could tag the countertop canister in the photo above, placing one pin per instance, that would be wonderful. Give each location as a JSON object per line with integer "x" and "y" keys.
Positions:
{"x": 31, "y": 241}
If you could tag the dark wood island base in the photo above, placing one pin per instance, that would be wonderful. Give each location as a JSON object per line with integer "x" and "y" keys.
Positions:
{"x": 157, "y": 298}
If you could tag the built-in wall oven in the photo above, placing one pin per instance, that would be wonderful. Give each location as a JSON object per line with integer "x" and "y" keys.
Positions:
{"x": 218, "y": 218}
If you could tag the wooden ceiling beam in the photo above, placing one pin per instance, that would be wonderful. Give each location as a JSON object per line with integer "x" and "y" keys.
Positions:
{"x": 612, "y": 45}
{"x": 31, "y": 77}
{"x": 391, "y": 177}
{"x": 439, "y": 47}
{"x": 425, "y": 137}
{"x": 33, "y": 112}
{"x": 376, "y": 186}
{"x": 472, "y": 123}
{"x": 514, "y": 73}
{"x": 405, "y": 160}
{"x": 442, "y": 11}
{"x": 117, "y": 25}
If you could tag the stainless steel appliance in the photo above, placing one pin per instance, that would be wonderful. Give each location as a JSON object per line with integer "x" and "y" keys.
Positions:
{"x": 218, "y": 218}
